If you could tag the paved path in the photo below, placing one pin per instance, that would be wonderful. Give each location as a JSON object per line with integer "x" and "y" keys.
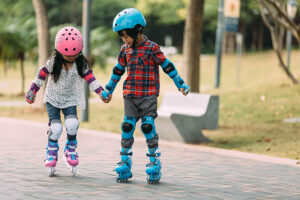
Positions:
{"x": 189, "y": 172}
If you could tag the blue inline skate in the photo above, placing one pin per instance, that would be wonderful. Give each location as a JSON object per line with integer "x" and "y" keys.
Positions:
{"x": 123, "y": 167}
{"x": 153, "y": 168}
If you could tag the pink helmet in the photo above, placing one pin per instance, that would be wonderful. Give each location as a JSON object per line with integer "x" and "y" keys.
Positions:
{"x": 68, "y": 41}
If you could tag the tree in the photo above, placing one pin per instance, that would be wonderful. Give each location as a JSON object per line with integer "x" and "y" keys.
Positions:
{"x": 43, "y": 41}
{"x": 17, "y": 33}
{"x": 274, "y": 15}
{"x": 192, "y": 43}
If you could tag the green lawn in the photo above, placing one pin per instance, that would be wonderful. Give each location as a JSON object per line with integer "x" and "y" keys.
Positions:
{"x": 251, "y": 113}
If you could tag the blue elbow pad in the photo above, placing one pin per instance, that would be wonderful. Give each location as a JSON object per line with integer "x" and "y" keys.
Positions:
{"x": 170, "y": 69}
{"x": 118, "y": 71}
{"x": 181, "y": 84}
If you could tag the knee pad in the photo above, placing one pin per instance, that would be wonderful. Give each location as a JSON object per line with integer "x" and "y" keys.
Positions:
{"x": 72, "y": 124}
{"x": 55, "y": 129}
{"x": 148, "y": 127}
{"x": 128, "y": 126}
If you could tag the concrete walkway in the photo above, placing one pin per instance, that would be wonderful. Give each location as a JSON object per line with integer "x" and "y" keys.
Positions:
{"x": 189, "y": 172}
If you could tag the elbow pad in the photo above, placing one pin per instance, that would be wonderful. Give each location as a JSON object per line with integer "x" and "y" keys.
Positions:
{"x": 170, "y": 69}
{"x": 118, "y": 71}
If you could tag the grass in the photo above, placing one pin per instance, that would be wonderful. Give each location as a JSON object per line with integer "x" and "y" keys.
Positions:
{"x": 251, "y": 113}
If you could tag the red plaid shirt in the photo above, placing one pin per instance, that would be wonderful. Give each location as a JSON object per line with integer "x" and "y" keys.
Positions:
{"x": 142, "y": 69}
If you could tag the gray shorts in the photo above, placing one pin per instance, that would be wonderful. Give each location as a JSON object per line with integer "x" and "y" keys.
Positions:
{"x": 140, "y": 107}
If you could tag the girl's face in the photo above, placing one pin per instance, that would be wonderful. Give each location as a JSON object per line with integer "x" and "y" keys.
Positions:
{"x": 70, "y": 58}
{"x": 127, "y": 39}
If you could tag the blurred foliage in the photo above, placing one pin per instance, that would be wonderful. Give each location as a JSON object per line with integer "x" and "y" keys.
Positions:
{"x": 103, "y": 45}
{"x": 168, "y": 12}
{"x": 163, "y": 18}
{"x": 17, "y": 30}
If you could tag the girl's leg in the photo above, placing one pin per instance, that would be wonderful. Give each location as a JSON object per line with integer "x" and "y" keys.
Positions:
{"x": 72, "y": 125}
{"x": 54, "y": 133}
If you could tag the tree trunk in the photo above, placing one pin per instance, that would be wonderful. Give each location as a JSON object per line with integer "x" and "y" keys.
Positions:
{"x": 260, "y": 36}
{"x": 22, "y": 74}
{"x": 192, "y": 44}
{"x": 254, "y": 38}
{"x": 277, "y": 41}
{"x": 43, "y": 42}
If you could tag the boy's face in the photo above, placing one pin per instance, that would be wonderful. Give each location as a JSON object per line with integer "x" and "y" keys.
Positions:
{"x": 127, "y": 39}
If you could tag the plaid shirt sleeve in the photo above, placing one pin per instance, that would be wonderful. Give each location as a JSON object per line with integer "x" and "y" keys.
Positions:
{"x": 158, "y": 55}
{"x": 122, "y": 56}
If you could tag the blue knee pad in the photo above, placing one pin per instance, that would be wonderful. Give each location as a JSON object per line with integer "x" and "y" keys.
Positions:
{"x": 148, "y": 127}
{"x": 128, "y": 126}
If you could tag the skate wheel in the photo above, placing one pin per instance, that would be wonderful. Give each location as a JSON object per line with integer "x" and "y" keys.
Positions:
{"x": 73, "y": 170}
{"x": 51, "y": 171}
{"x": 155, "y": 179}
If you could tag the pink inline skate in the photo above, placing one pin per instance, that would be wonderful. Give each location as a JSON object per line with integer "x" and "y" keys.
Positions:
{"x": 71, "y": 156}
{"x": 51, "y": 157}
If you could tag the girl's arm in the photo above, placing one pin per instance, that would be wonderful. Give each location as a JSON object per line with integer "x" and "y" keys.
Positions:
{"x": 39, "y": 80}
{"x": 94, "y": 85}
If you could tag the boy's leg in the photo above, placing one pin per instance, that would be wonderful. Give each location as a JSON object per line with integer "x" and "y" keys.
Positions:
{"x": 149, "y": 112}
{"x": 128, "y": 126}
{"x": 72, "y": 125}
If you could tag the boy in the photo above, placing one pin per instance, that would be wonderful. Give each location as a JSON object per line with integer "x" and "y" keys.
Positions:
{"x": 141, "y": 57}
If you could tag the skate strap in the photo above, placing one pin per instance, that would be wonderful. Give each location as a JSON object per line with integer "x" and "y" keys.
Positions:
{"x": 122, "y": 163}
{"x": 52, "y": 148}
{"x": 125, "y": 153}
{"x": 72, "y": 147}
{"x": 151, "y": 164}
{"x": 51, "y": 156}
{"x": 153, "y": 154}
{"x": 72, "y": 153}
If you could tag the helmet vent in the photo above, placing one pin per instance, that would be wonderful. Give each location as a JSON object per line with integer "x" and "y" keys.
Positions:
{"x": 75, "y": 33}
{"x": 74, "y": 49}
{"x": 71, "y": 29}
{"x": 63, "y": 34}
{"x": 66, "y": 49}
{"x": 69, "y": 33}
{"x": 67, "y": 38}
{"x": 66, "y": 29}
{"x": 73, "y": 38}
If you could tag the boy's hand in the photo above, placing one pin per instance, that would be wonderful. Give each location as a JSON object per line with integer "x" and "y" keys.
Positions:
{"x": 185, "y": 89}
{"x": 183, "y": 92}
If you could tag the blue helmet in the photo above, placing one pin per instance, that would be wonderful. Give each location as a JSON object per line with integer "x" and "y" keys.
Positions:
{"x": 127, "y": 19}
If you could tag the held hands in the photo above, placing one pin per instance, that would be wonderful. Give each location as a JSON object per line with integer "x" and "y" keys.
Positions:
{"x": 105, "y": 96}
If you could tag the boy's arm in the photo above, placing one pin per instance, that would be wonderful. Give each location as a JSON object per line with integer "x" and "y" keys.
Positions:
{"x": 170, "y": 69}
{"x": 118, "y": 71}
{"x": 39, "y": 80}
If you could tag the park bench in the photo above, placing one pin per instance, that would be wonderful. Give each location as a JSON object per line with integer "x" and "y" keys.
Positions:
{"x": 182, "y": 118}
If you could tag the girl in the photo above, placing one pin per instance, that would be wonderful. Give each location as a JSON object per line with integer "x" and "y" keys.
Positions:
{"x": 64, "y": 91}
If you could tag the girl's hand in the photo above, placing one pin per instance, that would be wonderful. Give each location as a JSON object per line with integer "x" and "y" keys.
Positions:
{"x": 30, "y": 97}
